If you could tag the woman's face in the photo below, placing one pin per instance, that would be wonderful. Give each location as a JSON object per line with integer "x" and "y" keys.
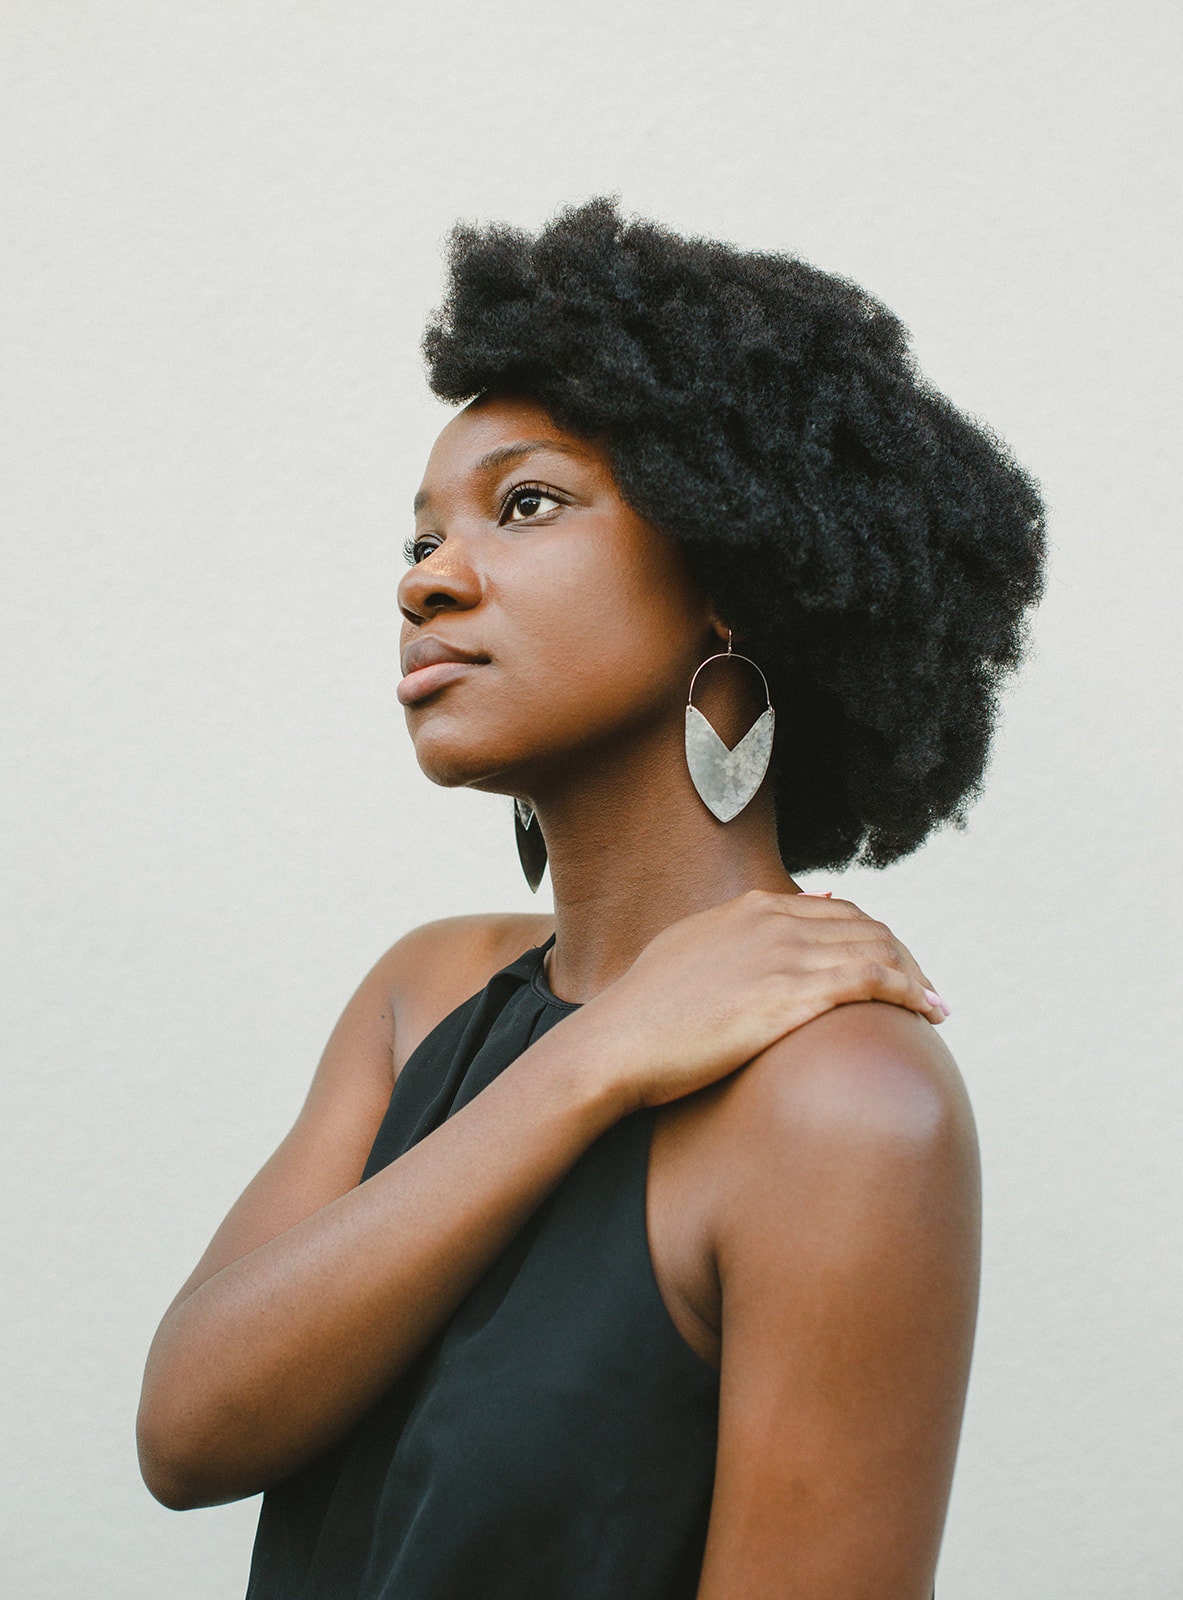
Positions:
{"x": 583, "y": 616}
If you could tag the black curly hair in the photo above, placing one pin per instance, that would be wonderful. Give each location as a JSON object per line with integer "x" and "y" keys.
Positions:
{"x": 874, "y": 548}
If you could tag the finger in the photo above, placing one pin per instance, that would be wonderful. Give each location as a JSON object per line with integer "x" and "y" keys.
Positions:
{"x": 899, "y": 954}
{"x": 849, "y": 909}
{"x": 828, "y": 906}
{"x": 910, "y": 965}
{"x": 814, "y": 905}
{"x": 936, "y": 1007}
{"x": 909, "y": 968}
{"x": 877, "y": 980}
{"x": 830, "y": 921}
{"x": 873, "y": 942}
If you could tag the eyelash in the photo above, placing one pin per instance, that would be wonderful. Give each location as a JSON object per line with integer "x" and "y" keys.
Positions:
{"x": 519, "y": 491}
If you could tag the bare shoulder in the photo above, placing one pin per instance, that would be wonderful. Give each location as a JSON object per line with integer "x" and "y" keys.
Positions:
{"x": 477, "y": 936}
{"x": 851, "y": 1135}
{"x": 845, "y": 1247}
{"x": 868, "y": 1075}
{"x": 438, "y": 965}
{"x": 836, "y": 1142}
{"x": 413, "y": 986}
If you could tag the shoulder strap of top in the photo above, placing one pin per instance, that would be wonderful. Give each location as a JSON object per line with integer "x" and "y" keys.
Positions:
{"x": 426, "y": 1088}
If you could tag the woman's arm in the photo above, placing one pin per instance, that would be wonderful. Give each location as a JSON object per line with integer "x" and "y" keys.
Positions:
{"x": 315, "y": 1293}
{"x": 428, "y": 972}
{"x": 263, "y": 1361}
{"x": 847, "y": 1249}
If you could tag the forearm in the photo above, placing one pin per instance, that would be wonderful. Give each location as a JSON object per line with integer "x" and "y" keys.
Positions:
{"x": 276, "y": 1355}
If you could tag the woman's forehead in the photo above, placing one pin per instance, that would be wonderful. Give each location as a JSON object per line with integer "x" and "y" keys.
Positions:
{"x": 492, "y": 419}
{"x": 493, "y": 433}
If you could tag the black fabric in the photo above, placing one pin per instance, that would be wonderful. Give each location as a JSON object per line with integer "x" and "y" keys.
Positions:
{"x": 556, "y": 1440}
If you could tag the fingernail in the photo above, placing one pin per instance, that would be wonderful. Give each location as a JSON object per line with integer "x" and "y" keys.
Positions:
{"x": 818, "y": 894}
{"x": 934, "y": 999}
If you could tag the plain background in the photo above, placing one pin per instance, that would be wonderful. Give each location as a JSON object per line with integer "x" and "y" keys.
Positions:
{"x": 223, "y": 234}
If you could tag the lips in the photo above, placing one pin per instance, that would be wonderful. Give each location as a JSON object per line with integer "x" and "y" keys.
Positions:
{"x": 427, "y": 650}
{"x": 429, "y": 663}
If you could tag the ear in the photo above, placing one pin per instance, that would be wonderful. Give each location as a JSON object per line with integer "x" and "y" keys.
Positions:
{"x": 720, "y": 627}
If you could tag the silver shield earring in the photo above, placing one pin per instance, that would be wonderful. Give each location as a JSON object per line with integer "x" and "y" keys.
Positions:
{"x": 727, "y": 779}
{"x": 531, "y": 844}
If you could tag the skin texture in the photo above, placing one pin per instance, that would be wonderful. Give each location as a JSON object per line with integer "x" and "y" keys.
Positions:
{"x": 812, "y": 1202}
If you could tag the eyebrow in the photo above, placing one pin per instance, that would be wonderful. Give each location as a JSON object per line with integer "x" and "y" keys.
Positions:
{"x": 506, "y": 454}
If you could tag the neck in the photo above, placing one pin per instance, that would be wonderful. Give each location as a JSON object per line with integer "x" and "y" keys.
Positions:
{"x": 631, "y": 849}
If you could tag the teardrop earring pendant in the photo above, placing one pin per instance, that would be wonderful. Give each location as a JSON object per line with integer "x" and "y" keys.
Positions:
{"x": 531, "y": 844}
{"x": 727, "y": 779}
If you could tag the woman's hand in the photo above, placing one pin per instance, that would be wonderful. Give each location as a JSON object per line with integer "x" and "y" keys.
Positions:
{"x": 710, "y": 992}
{"x": 317, "y": 1291}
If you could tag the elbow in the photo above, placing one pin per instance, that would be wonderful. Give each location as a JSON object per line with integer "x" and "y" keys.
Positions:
{"x": 166, "y": 1466}
{"x": 170, "y": 1491}
{"x": 164, "y": 1473}
{"x": 196, "y": 1440}
{"x": 177, "y": 1464}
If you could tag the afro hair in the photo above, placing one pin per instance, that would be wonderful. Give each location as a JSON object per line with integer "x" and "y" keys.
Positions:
{"x": 873, "y": 548}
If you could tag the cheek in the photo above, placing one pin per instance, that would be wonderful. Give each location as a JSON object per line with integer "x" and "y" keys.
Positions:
{"x": 592, "y": 637}
{"x": 603, "y": 640}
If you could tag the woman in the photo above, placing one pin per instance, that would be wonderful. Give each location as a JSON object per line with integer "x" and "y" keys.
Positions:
{"x": 662, "y": 1277}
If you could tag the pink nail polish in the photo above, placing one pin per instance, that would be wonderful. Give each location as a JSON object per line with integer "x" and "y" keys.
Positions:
{"x": 933, "y": 998}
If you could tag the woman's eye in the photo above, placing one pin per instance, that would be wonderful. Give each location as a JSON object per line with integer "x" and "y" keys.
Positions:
{"x": 413, "y": 547}
{"x": 530, "y": 500}
{"x": 527, "y": 501}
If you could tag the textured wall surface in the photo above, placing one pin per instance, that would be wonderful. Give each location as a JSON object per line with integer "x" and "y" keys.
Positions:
{"x": 223, "y": 228}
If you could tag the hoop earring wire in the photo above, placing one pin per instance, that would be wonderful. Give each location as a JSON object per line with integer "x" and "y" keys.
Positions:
{"x": 727, "y": 779}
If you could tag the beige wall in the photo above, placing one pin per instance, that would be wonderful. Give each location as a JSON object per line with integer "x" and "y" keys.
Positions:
{"x": 223, "y": 227}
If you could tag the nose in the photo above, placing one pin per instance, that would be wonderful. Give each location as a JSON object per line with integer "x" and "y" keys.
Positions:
{"x": 445, "y": 580}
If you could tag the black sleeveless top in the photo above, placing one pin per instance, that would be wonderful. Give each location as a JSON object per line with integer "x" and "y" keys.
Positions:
{"x": 556, "y": 1439}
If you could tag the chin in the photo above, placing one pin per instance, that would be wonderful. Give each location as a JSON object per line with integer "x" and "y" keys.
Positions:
{"x": 455, "y": 763}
